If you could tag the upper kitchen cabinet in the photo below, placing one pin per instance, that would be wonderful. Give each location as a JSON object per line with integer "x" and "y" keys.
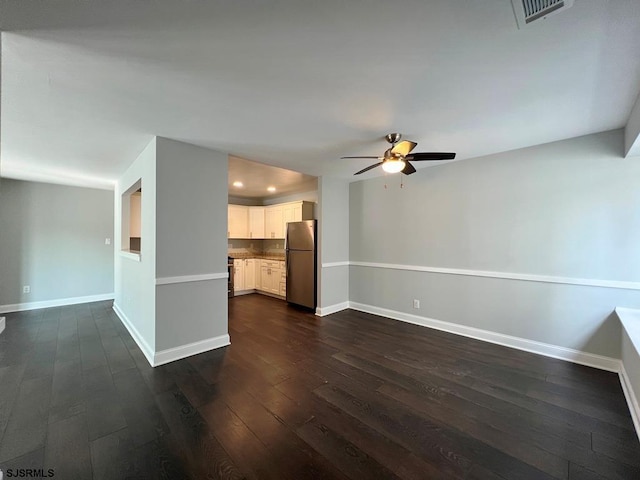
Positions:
{"x": 296, "y": 212}
{"x": 273, "y": 222}
{"x": 266, "y": 222}
{"x": 238, "y": 223}
{"x": 277, "y": 217}
{"x": 256, "y": 222}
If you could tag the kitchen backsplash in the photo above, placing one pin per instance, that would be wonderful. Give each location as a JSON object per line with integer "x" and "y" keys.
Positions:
{"x": 273, "y": 246}
{"x": 252, "y": 246}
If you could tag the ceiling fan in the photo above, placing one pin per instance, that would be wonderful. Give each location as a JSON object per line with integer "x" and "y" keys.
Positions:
{"x": 396, "y": 159}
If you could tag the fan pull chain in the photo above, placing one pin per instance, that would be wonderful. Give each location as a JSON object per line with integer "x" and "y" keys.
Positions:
{"x": 401, "y": 181}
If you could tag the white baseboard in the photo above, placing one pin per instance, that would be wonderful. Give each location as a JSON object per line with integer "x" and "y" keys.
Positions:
{"x": 172, "y": 354}
{"x": 546, "y": 349}
{"x": 267, "y": 294}
{"x": 632, "y": 400}
{"x": 184, "y": 351}
{"x": 322, "y": 311}
{"x": 2, "y": 324}
{"x": 142, "y": 344}
{"x": 237, "y": 293}
{"x": 20, "y": 307}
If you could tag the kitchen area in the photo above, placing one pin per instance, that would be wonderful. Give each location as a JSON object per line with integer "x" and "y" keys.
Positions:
{"x": 271, "y": 233}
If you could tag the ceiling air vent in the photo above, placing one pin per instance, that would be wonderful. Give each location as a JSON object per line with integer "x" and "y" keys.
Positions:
{"x": 528, "y": 11}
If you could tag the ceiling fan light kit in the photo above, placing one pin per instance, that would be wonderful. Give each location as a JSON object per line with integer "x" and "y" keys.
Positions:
{"x": 396, "y": 159}
{"x": 393, "y": 165}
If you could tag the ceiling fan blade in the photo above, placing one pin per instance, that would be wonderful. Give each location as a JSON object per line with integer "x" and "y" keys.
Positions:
{"x": 369, "y": 168}
{"x": 408, "y": 169}
{"x": 424, "y": 156}
{"x": 362, "y": 157}
{"x": 404, "y": 147}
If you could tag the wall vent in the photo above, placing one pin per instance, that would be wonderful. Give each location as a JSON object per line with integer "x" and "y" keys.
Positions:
{"x": 528, "y": 11}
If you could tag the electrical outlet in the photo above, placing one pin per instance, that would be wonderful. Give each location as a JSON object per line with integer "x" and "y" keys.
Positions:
{"x": 416, "y": 303}
{"x": 26, "y": 289}
{"x": 107, "y": 241}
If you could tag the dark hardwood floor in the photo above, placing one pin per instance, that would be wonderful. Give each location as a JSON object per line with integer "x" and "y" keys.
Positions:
{"x": 351, "y": 395}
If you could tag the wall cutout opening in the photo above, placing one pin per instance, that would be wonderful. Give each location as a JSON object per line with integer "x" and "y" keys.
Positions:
{"x": 131, "y": 238}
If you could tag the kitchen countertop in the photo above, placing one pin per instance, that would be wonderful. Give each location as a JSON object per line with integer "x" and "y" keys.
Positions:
{"x": 262, "y": 256}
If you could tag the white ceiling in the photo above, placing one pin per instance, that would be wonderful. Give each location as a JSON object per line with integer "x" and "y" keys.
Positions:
{"x": 257, "y": 177}
{"x": 85, "y": 85}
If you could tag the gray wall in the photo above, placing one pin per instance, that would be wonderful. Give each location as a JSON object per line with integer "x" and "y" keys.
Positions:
{"x": 191, "y": 239}
{"x": 333, "y": 225}
{"x": 52, "y": 238}
{"x": 565, "y": 209}
{"x": 191, "y": 217}
{"x": 135, "y": 280}
{"x": 184, "y": 233}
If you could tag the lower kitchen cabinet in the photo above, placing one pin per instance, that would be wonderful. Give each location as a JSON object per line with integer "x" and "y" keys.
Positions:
{"x": 283, "y": 282}
{"x": 250, "y": 274}
{"x": 238, "y": 274}
{"x": 268, "y": 276}
{"x": 271, "y": 272}
{"x": 244, "y": 274}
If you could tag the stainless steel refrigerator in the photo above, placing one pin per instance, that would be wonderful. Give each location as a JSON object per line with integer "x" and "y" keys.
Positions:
{"x": 301, "y": 263}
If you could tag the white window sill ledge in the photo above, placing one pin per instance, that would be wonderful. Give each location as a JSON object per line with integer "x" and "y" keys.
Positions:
{"x": 130, "y": 255}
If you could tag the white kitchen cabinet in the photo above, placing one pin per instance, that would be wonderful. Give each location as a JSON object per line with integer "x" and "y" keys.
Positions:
{"x": 274, "y": 281}
{"x": 265, "y": 281}
{"x": 273, "y": 222}
{"x": 258, "y": 273}
{"x": 238, "y": 221}
{"x": 296, "y": 212}
{"x": 266, "y": 222}
{"x": 277, "y": 217}
{"x": 271, "y": 277}
{"x": 283, "y": 281}
{"x": 256, "y": 222}
{"x": 250, "y": 274}
{"x": 238, "y": 275}
{"x": 244, "y": 274}
{"x": 291, "y": 212}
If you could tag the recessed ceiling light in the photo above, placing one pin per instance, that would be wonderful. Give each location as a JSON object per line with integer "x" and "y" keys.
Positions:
{"x": 271, "y": 189}
{"x": 237, "y": 184}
